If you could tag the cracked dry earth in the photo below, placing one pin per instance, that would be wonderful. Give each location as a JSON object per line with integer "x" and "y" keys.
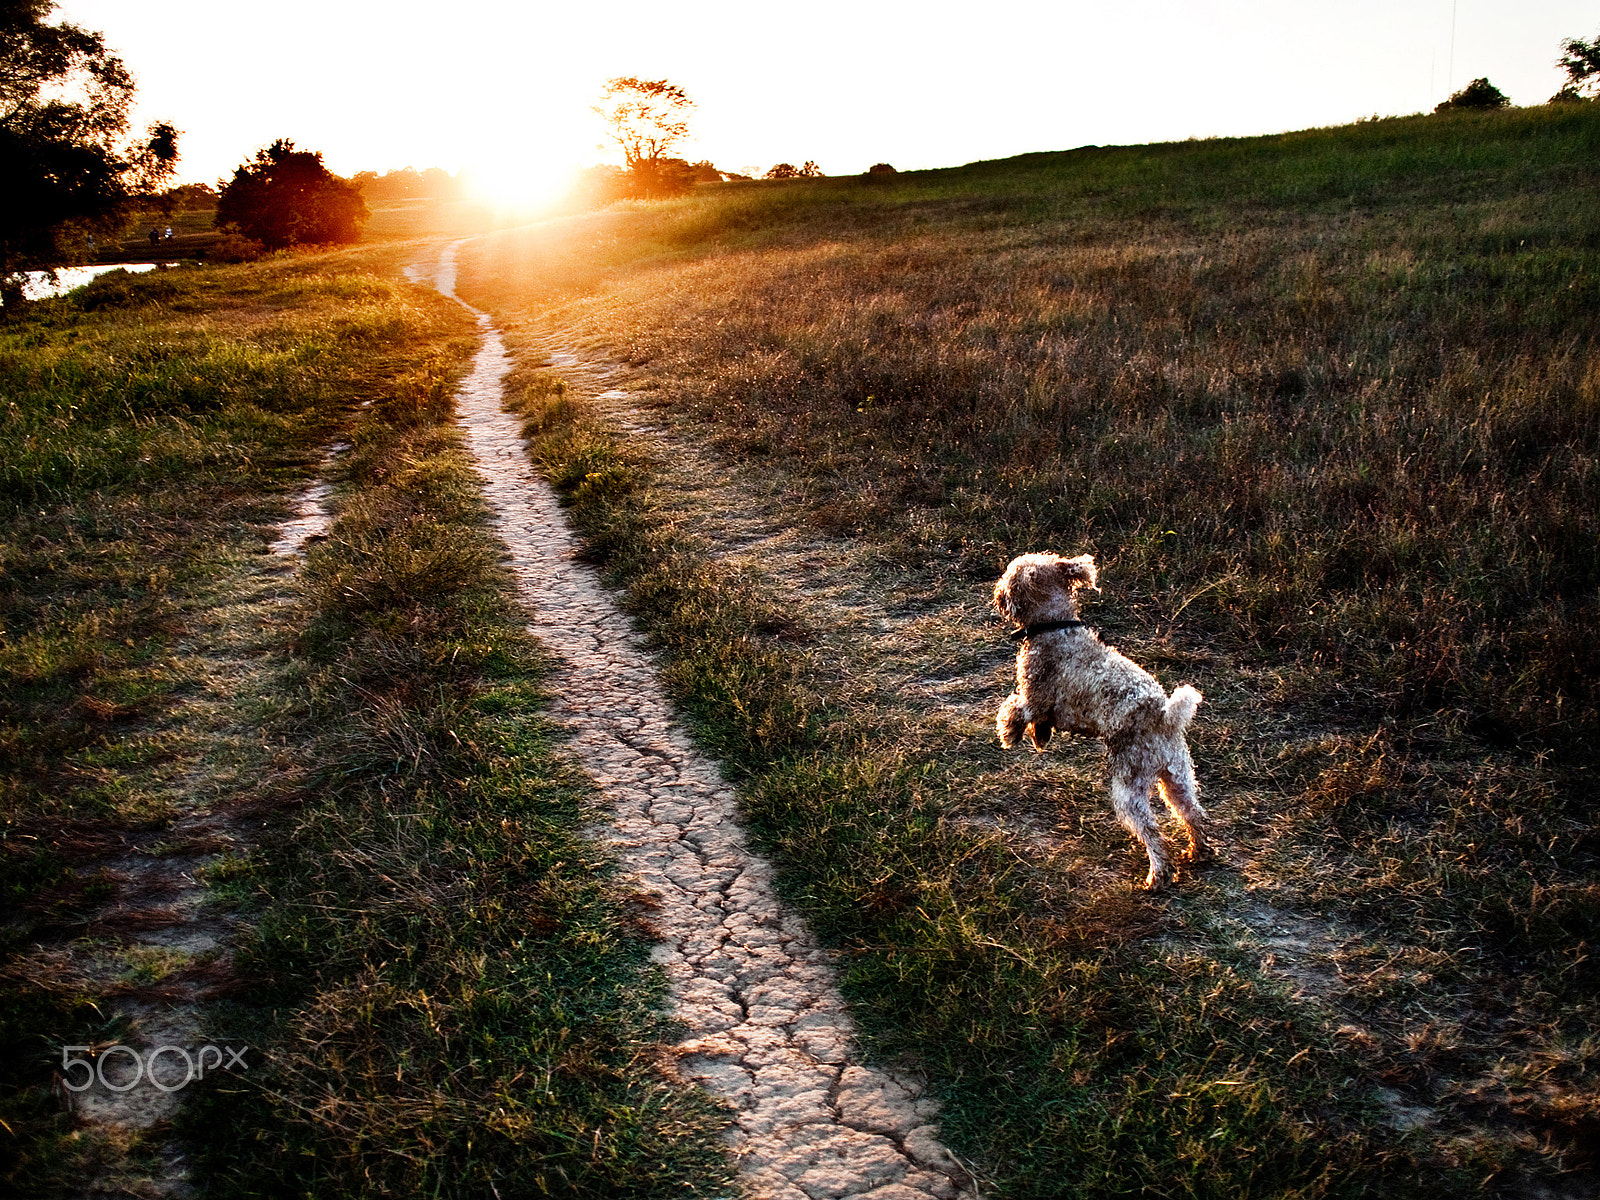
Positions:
{"x": 768, "y": 1031}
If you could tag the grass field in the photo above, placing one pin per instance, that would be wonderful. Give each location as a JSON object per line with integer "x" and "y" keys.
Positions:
{"x": 1324, "y": 406}
{"x": 439, "y": 984}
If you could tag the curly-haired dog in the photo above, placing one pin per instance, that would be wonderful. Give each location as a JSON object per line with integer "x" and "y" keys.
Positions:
{"x": 1067, "y": 678}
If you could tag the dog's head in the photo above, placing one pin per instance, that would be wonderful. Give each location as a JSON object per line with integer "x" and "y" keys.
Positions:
{"x": 1043, "y": 587}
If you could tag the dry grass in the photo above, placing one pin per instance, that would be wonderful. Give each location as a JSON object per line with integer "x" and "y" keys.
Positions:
{"x": 1323, "y": 408}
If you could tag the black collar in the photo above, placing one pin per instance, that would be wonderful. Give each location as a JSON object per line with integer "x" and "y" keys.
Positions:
{"x": 1033, "y": 631}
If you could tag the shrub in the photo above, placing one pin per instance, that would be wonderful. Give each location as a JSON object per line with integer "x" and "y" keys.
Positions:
{"x": 233, "y": 247}
{"x": 1480, "y": 93}
{"x": 286, "y": 197}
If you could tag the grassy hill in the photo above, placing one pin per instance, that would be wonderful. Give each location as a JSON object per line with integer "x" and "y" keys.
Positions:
{"x": 1324, "y": 407}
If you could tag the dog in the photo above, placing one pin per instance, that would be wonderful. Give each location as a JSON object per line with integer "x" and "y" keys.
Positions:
{"x": 1067, "y": 678}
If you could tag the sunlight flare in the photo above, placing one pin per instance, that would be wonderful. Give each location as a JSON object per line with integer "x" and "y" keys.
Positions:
{"x": 519, "y": 184}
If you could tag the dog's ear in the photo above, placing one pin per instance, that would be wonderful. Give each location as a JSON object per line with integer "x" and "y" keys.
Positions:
{"x": 1002, "y": 600}
{"x": 1078, "y": 572}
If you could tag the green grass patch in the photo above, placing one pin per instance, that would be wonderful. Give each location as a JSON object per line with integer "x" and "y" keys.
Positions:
{"x": 441, "y": 985}
{"x": 458, "y": 986}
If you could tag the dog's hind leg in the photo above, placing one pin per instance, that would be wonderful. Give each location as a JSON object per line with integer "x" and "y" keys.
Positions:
{"x": 1181, "y": 791}
{"x": 1130, "y": 800}
{"x": 1041, "y": 729}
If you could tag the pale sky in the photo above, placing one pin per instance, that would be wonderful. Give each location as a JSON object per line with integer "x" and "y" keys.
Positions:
{"x": 847, "y": 83}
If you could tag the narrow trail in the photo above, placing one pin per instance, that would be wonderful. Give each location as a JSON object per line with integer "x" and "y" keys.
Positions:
{"x": 155, "y": 953}
{"x": 767, "y": 1029}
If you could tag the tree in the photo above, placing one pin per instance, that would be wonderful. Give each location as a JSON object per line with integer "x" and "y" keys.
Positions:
{"x": 70, "y": 169}
{"x": 646, "y": 118}
{"x": 1480, "y": 93}
{"x": 790, "y": 171}
{"x": 286, "y": 197}
{"x": 1581, "y": 62}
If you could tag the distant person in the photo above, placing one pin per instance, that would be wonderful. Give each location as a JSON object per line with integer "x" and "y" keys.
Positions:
{"x": 169, "y": 233}
{"x": 155, "y": 238}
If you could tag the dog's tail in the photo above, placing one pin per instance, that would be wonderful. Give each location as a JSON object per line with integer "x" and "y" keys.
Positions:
{"x": 1179, "y": 710}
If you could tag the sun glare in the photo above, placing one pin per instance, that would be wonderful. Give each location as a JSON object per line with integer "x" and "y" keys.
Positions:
{"x": 519, "y": 185}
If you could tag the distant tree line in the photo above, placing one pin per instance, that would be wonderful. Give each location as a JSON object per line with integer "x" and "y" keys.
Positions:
{"x": 408, "y": 183}
{"x": 72, "y": 171}
{"x": 667, "y": 177}
{"x": 1579, "y": 59}
{"x": 188, "y": 197}
{"x": 785, "y": 170}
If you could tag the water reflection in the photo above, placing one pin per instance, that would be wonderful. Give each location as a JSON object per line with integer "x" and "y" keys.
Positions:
{"x": 39, "y": 286}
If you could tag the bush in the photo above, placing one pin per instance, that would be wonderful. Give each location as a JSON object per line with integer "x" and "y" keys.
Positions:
{"x": 1480, "y": 93}
{"x": 234, "y": 247}
{"x": 286, "y": 197}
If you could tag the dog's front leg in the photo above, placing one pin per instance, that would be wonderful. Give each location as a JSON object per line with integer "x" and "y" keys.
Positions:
{"x": 1012, "y": 719}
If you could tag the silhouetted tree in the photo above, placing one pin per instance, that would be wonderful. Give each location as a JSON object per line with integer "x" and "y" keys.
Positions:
{"x": 790, "y": 171}
{"x": 68, "y": 171}
{"x": 652, "y": 179}
{"x": 286, "y": 197}
{"x": 646, "y": 118}
{"x": 1581, "y": 62}
{"x": 1480, "y": 93}
{"x": 882, "y": 169}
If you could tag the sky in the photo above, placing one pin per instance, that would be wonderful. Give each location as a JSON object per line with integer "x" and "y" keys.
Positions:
{"x": 504, "y": 88}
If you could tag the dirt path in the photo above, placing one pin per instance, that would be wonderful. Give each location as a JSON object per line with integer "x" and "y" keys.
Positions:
{"x": 768, "y": 1031}
{"x": 154, "y": 953}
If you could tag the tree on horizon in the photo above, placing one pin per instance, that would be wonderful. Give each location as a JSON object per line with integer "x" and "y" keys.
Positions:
{"x": 1581, "y": 61}
{"x": 286, "y": 197}
{"x": 646, "y": 118}
{"x": 1480, "y": 93}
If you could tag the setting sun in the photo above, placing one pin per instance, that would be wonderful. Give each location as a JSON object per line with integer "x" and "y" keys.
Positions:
{"x": 518, "y": 183}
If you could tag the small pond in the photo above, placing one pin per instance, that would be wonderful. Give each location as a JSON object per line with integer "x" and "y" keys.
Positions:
{"x": 39, "y": 286}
